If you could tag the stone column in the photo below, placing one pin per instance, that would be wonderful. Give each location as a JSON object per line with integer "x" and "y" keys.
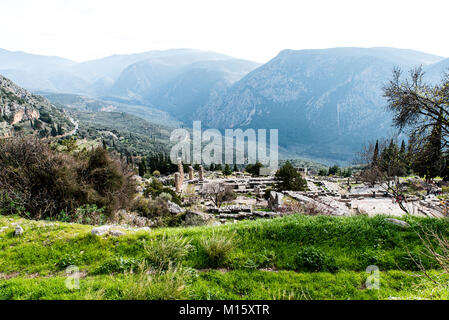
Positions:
{"x": 181, "y": 170}
{"x": 201, "y": 173}
{"x": 190, "y": 173}
{"x": 178, "y": 182}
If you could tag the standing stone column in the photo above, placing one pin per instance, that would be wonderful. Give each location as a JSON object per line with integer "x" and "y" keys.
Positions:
{"x": 181, "y": 170}
{"x": 178, "y": 183}
{"x": 190, "y": 173}
{"x": 201, "y": 173}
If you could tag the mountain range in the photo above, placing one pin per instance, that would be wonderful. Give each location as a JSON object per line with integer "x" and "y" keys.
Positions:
{"x": 324, "y": 102}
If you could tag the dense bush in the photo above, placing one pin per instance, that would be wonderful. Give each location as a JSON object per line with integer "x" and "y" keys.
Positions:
{"x": 156, "y": 189}
{"x": 40, "y": 183}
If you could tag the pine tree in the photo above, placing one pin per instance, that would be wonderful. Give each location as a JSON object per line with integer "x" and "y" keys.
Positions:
{"x": 376, "y": 154}
{"x": 227, "y": 170}
{"x": 53, "y": 132}
{"x": 288, "y": 178}
{"x": 235, "y": 168}
{"x": 428, "y": 162}
{"x": 142, "y": 167}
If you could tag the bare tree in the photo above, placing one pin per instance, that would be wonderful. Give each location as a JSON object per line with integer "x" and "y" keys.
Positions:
{"x": 217, "y": 193}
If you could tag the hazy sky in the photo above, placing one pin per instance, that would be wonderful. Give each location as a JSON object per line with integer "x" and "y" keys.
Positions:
{"x": 255, "y": 30}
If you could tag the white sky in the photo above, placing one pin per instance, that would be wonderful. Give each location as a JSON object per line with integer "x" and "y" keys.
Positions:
{"x": 255, "y": 30}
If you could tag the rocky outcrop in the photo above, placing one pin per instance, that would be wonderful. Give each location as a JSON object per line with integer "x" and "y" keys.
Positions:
{"x": 23, "y": 111}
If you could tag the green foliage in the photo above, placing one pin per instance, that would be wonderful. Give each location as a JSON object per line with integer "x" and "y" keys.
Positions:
{"x": 334, "y": 170}
{"x": 313, "y": 259}
{"x": 116, "y": 264}
{"x": 348, "y": 244}
{"x": 166, "y": 251}
{"x": 142, "y": 139}
{"x": 288, "y": 178}
{"x": 323, "y": 173}
{"x": 217, "y": 248}
{"x": 156, "y": 285}
{"x": 156, "y": 188}
{"x": 254, "y": 169}
{"x": 70, "y": 144}
{"x": 227, "y": 170}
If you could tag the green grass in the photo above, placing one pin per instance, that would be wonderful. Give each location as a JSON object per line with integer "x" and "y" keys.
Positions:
{"x": 235, "y": 285}
{"x": 295, "y": 250}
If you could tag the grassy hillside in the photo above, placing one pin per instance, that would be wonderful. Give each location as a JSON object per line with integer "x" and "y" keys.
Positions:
{"x": 296, "y": 257}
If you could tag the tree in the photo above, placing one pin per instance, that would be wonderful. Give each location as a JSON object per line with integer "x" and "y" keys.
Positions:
{"x": 323, "y": 173}
{"x": 254, "y": 169}
{"x": 423, "y": 110}
{"x": 227, "y": 170}
{"x": 218, "y": 193}
{"x": 334, "y": 170}
{"x": 142, "y": 167}
{"x": 376, "y": 153}
{"x": 235, "y": 168}
{"x": 288, "y": 178}
{"x": 53, "y": 132}
{"x": 429, "y": 162}
{"x": 417, "y": 106}
{"x": 347, "y": 173}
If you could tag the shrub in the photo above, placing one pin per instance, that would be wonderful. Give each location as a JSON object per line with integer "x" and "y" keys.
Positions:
{"x": 150, "y": 208}
{"x": 165, "y": 252}
{"x": 165, "y": 196}
{"x": 313, "y": 259}
{"x": 156, "y": 188}
{"x": 156, "y": 173}
{"x": 217, "y": 248}
{"x": 89, "y": 214}
{"x": 44, "y": 183}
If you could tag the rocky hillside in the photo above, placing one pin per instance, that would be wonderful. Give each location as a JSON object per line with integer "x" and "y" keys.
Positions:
{"x": 23, "y": 112}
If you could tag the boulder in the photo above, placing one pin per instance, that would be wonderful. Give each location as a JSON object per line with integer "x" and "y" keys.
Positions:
{"x": 173, "y": 208}
{"x": 275, "y": 201}
{"x": 399, "y": 223}
{"x": 116, "y": 233}
{"x": 100, "y": 230}
{"x": 18, "y": 231}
